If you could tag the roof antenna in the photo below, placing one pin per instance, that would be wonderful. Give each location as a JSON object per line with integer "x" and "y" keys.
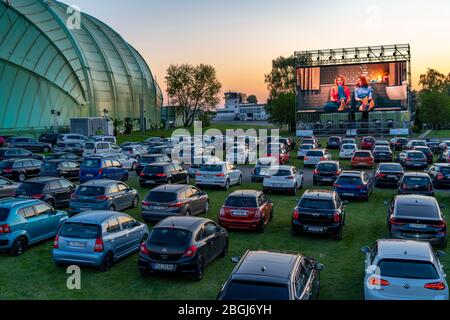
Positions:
{"x": 263, "y": 269}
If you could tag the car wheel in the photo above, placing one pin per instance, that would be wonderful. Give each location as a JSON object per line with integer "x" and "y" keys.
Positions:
{"x": 138, "y": 157}
{"x": 206, "y": 207}
{"x": 112, "y": 208}
{"x": 19, "y": 246}
{"x": 261, "y": 226}
{"x": 294, "y": 190}
{"x": 340, "y": 234}
{"x": 188, "y": 213}
{"x": 134, "y": 166}
{"x": 224, "y": 252}
{"x": 199, "y": 270}
{"x": 240, "y": 181}
{"x": 186, "y": 181}
{"x": 22, "y": 177}
{"x": 135, "y": 202}
{"x": 227, "y": 185}
{"x": 169, "y": 181}
{"x": 46, "y": 150}
{"x": 107, "y": 262}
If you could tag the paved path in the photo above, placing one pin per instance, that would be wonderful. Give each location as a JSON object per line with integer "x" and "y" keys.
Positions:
{"x": 425, "y": 135}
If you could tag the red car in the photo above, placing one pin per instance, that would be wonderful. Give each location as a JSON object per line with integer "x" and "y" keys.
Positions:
{"x": 283, "y": 154}
{"x": 246, "y": 210}
{"x": 368, "y": 143}
{"x": 363, "y": 159}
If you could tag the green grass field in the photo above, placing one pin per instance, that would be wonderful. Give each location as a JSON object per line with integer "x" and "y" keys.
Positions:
{"x": 34, "y": 276}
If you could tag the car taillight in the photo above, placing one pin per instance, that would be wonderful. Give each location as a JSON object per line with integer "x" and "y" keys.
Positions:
{"x": 296, "y": 214}
{"x": 5, "y": 229}
{"x": 98, "y": 245}
{"x": 408, "y": 159}
{"x": 144, "y": 249}
{"x": 381, "y": 175}
{"x": 306, "y": 159}
{"x": 161, "y": 175}
{"x": 7, "y": 170}
{"x": 56, "y": 242}
{"x": 404, "y": 186}
{"x": 323, "y": 159}
{"x": 220, "y": 175}
{"x": 258, "y": 213}
{"x": 100, "y": 171}
{"x": 337, "y": 186}
{"x": 290, "y": 178}
{"x": 316, "y": 172}
{"x": 435, "y": 286}
{"x": 198, "y": 174}
{"x": 395, "y": 222}
{"x": 360, "y": 187}
{"x": 378, "y": 282}
{"x": 222, "y": 212}
{"x": 191, "y": 251}
{"x": 146, "y": 203}
{"x": 177, "y": 205}
{"x": 37, "y": 196}
{"x": 74, "y": 196}
{"x": 337, "y": 173}
{"x": 440, "y": 225}
{"x": 102, "y": 198}
{"x": 337, "y": 217}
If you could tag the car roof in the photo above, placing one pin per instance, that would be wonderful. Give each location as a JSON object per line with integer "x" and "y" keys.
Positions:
{"x": 170, "y": 188}
{"x": 189, "y": 223}
{"x": 245, "y": 193}
{"x": 13, "y": 202}
{"x": 405, "y": 250}
{"x": 282, "y": 167}
{"x": 57, "y": 160}
{"x": 319, "y": 194}
{"x": 329, "y": 162}
{"x": 98, "y": 183}
{"x": 267, "y": 264}
{"x": 43, "y": 179}
{"x": 352, "y": 173}
{"x": 95, "y": 217}
{"x": 415, "y": 200}
{"x": 416, "y": 174}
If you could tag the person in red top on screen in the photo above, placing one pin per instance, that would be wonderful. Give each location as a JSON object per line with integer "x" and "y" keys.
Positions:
{"x": 340, "y": 96}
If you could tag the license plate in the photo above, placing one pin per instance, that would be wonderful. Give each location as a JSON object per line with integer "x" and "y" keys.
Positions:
{"x": 157, "y": 208}
{"x": 77, "y": 244}
{"x": 239, "y": 213}
{"x": 316, "y": 229}
{"x": 89, "y": 175}
{"x": 163, "y": 267}
{"x": 392, "y": 177}
{"x": 347, "y": 194}
{"x": 418, "y": 226}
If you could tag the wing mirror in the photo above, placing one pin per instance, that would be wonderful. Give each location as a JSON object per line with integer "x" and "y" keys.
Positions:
{"x": 442, "y": 206}
{"x": 235, "y": 260}
{"x": 346, "y": 202}
{"x": 365, "y": 250}
{"x": 440, "y": 254}
{"x": 319, "y": 267}
{"x": 387, "y": 202}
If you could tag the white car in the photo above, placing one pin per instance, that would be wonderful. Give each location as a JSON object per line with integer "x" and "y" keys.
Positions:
{"x": 197, "y": 162}
{"x": 220, "y": 174}
{"x": 127, "y": 162}
{"x": 404, "y": 270}
{"x": 134, "y": 151}
{"x": 72, "y": 138}
{"x": 263, "y": 166}
{"x": 313, "y": 157}
{"x": 92, "y": 148}
{"x": 111, "y": 139}
{"x": 348, "y": 141}
{"x": 347, "y": 151}
{"x": 283, "y": 178}
{"x": 303, "y": 149}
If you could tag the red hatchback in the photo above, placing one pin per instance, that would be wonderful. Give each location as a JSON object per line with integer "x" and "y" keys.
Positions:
{"x": 368, "y": 143}
{"x": 363, "y": 159}
{"x": 246, "y": 210}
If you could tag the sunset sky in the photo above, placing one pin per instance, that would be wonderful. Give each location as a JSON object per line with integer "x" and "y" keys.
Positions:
{"x": 241, "y": 37}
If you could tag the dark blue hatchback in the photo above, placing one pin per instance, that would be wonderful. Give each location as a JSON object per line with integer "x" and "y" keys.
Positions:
{"x": 354, "y": 185}
{"x": 96, "y": 168}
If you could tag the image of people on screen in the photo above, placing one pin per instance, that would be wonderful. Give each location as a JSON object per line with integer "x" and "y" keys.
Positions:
{"x": 364, "y": 95}
{"x": 340, "y": 97}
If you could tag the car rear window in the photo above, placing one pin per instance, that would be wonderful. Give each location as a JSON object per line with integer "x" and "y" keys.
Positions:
{"x": 314, "y": 154}
{"x": 211, "y": 168}
{"x": 91, "y": 163}
{"x": 362, "y": 154}
{"x": 160, "y": 196}
{"x": 4, "y": 214}
{"x": 407, "y": 269}
{"x": 79, "y": 231}
{"x": 89, "y": 145}
{"x": 391, "y": 168}
{"x": 349, "y": 180}
{"x": 264, "y": 163}
{"x": 245, "y": 290}
{"x": 417, "y": 211}
{"x": 279, "y": 173}
{"x": 316, "y": 204}
{"x": 31, "y": 187}
{"x": 416, "y": 155}
{"x": 170, "y": 237}
{"x": 241, "y": 202}
{"x": 90, "y": 191}
{"x": 327, "y": 167}
{"x": 154, "y": 169}
{"x": 306, "y": 147}
{"x": 417, "y": 181}
{"x": 148, "y": 160}
{"x": 334, "y": 140}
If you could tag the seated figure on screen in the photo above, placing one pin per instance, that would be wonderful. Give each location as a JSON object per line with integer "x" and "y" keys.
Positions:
{"x": 340, "y": 96}
{"x": 364, "y": 95}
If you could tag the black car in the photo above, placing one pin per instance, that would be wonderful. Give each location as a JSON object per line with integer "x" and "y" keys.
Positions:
{"x": 54, "y": 191}
{"x": 412, "y": 160}
{"x": 151, "y": 159}
{"x": 334, "y": 143}
{"x": 434, "y": 145}
{"x": 383, "y": 154}
{"x": 60, "y": 168}
{"x": 440, "y": 174}
{"x": 388, "y": 174}
{"x": 268, "y": 276}
{"x": 398, "y": 144}
{"x": 416, "y": 183}
{"x": 319, "y": 212}
{"x": 20, "y": 169}
{"x": 163, "y": 173}
{"x": 64, "y": 156}
{"x": 51, "y": 138}
{"x": 18, "y": 153}
{"x": 29, "y": 144}
{"x": 417, "y": 218}
{"x": 7, "y": 188}
{"x": 183, "y": 245}
{"x": 427, "y": 152}
{"x": 327, "y": 172}
{"x": 76, "y": 148}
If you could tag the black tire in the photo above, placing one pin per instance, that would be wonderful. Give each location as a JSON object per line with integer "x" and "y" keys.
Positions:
{"x": 224, "y": 252}
{"x": 227, "y": 185}
{"x": 199, "y": 270}
{"x": 135, "y": 202}
{"x": 19, "y": 246}
{"x": 46, "y": 150}
{"x": 138, "y": 157}
{"x": 107, "y": 262}
{"x": 112, "y": 208}
{"x": 340, "y": 234}
{"x": 22, "y": 177}
{"x": 294, "y": 190}
{"x": 206, "y": 209}
{"x": 261, "y": 226}
{"x": 186, "y": 181}
{"x": 240, "y": 181}
{"x": 188, "y": 213}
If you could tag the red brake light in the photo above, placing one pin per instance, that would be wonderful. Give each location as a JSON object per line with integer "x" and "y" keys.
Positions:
{"x": 337, "y": 185}
{"x": 7, "y": 170}
{"x": 440, "y": 176}
{"x": 441, "y": 225}
{"x": 177, "y": 205}
{"x": 191, "y": 251}
{"x": 142, "y": 174}
{"x": 393, "y": 221}
{"x": 161, "y": 175}
{"x": 220, "y": 175}
{"x": 5, "y": 229}
{"x": 337, "y": 217}
{"x": 100, "y": 171}
{"x": 222, "y": 212}
{"x": 146, "y": 203}
{"x": 296, "y": 214}
{"x": 316, "y": 172}
{"x": 198, "y": 174}
{"x": 290, "y": 178}
{"x": 144, "y": 249}
{"x": 37, "y": 196}
{"x": 98, "y": 245}
{"x": 102, "y": 198}
{"x": 378, "y": 282}
{"x": 435, "y": 286}
{"x": 56, "y": 242}
{"x": 381, "y": 175}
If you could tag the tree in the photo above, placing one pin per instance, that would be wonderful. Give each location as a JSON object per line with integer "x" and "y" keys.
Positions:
{"x": 282, "y": 77}
{"x": 192, "y": 89}
{"x": 252, "y": 99}
{"x": 433, "y": 80}
{"x": 282, "y": 109}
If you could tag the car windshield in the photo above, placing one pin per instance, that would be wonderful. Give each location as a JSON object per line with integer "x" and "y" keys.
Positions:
{"x": 316, "y": 204}
{"x": 416, "y": 181}
{"x": 349, "y": 180}
{"x": 89, "y": 145}
{"x": 241, "y": 202}
{"x": 172, "y": 237}
{"x": 154, "y": 169}
{"x": 31, "y": 187}
{"x": 4, "y": 214}
{"x": 259, "y": 291}
{"x": 79, "y": 231}
{"x": 382, "y": 149}
{"x": 417, "y": 211}
{"x": 334, "y": 140}
{"x": 161, "y": 196}
{"x": 279, "y": 173}
{"x": 211, "y": 168}
{"x": 416, "y": 155}
{"x": 50, "y": 165}
{"x": 91, "y": 163}
{"x": 327, "y": 167}
{"x": 314, "y": 154}
{"x": 90, "y": 191}
{"x": 407, "y": 269}
{"x": 391, "y": 168}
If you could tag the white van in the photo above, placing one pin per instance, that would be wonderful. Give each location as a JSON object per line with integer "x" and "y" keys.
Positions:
{"x": 93, "y": 148}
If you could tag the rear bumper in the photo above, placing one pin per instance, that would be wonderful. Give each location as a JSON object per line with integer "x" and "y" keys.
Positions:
{"x": 377, "y": 295}
{"x": 435, "y": 241}
{"x": 327, "y": 229}
{"x": 239, "y": 224}
{"x": 423, "y": 193}
{"x": 387, "y": 182}
{"x": 76, "y": 208}
{"x": 324, "y": 179}
{"x": 147, "y": 183}
{"x": 180, "y": 267}
{"x": 257, "y": 178}
{"x": 72, "y": 258}
{"x": 353, "y": 194}
{"x": 5, "y": 243}
{"x": 148, "y": 215}
{"x": 205, "y": 182}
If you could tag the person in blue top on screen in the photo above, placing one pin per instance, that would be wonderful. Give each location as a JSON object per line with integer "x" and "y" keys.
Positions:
{"x": 364, "y": 95}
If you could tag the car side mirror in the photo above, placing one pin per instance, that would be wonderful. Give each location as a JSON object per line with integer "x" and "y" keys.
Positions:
{"x": 442, "y": 206}
{"x": 319, "y": 267}
{"x": 235, "y": 260}
{"x": 387, "y": 202}
{"x": 365, "y": 250}
{"x": 440, "y": 254}
{"x": 346, "y": 202}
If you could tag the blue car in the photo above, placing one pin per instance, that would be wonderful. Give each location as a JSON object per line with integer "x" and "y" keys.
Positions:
{"x": 103, "y": 195}
{"x": 26, "y": 222}
{"x": 354, "y": 185}
{"x": 97, "y": 167}
{"x": 98, "y": 239}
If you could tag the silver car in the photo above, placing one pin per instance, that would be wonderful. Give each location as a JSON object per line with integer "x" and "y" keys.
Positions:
{"x": 134, "y": 151}
{"x": 220, "y": 174}
{"x": 403, "y": 270}
{"x": 313, "y": 157}
{"x": 303, "y": 149}
{"x": 283, "y": 178}
{"x": 128, "y": 163}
